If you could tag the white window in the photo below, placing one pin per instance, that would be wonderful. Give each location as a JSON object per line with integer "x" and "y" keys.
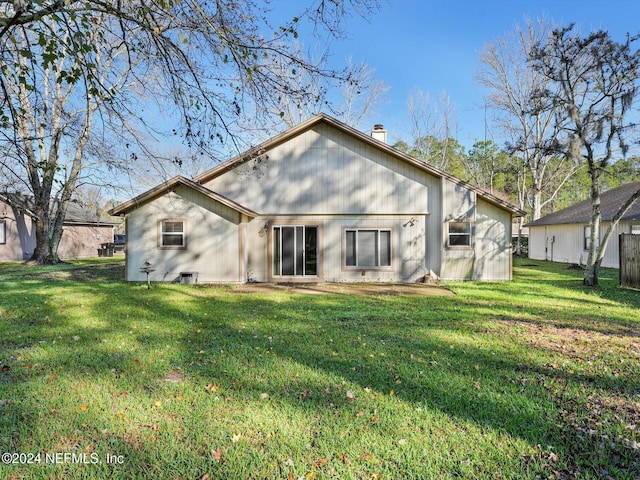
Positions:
{"x": 3, "y": 232}
{"x": 635, "y": 229}
{"x": 367, "y": 248}
{"x": 172, "y": 234}
{"x": 459, "y": 234}
{"x": 587, "y": 237}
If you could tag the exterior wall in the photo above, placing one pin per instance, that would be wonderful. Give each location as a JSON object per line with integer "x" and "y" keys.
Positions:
{"x": 407, "y": 247}
{"x": 325, "y": 171}
{"x": 458, "y": 204}
{"x": 328, "y": 175}
{"x": 565, "y": 243}
{"x": 489, "y": 257}
{"x": 80, "y": 241}
{"x": 212, "y": 239}
{"x": 20, "y": 234}
{"x": 492, "y": 243}
{"x": 77, "y": 240}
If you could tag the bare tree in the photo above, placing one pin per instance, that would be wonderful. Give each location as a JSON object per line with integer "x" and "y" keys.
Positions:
{"x": 359, "y": 97}
{"x": 52, "y": 124}
{"x": 433, "y": 126}
{"x": 525, "y": 114}
{"x": 78, "y": 77}
{"x": 593, "y": 80}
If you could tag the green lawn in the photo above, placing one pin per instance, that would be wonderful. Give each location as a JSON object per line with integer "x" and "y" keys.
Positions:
{"x": 535, "y": 378}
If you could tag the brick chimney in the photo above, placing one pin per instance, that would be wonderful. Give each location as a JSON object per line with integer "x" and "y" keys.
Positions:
{"x": 379, "y": 133}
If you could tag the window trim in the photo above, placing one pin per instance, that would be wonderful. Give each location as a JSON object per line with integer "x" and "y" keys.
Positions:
{"x": 635, "y": 227}
{"x": 363, "y": 267}
{"x": 587, "y": 238}
{"x": 3, "y": 232}
{"x": 469, "y": 234}
{"x": 161, "y": 233}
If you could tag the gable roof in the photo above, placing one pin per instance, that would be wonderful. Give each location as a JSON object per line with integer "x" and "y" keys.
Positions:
{"x": 173, "y": 183}
{"x": 343, "y": 127}
{"x": 610, "y": 203}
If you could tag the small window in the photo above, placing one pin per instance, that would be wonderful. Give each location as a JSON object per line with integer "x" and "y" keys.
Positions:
{"x": 367, "y": 248}
{"x": 172, "y": 234}
{"x": 459, "y": 234}
{"x": 635, "y": 229}
{"x": 587, "y": 238}
{"x": 3, "y": 232}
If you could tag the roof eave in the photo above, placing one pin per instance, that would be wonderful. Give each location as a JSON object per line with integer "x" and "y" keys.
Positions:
{"x": 159, "y": 190}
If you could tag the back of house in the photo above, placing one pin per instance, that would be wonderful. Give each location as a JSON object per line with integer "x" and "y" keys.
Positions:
{"x": 319, "y": 202}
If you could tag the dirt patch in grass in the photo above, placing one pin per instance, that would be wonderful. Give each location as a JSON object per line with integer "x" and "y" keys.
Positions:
{"x": 360, "y": 289}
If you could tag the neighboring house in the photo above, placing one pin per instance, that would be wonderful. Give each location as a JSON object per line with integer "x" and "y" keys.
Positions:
{"x": 83, "y": 232}
{"x": 563, "y": 236}
{"x": 319, "y": 202}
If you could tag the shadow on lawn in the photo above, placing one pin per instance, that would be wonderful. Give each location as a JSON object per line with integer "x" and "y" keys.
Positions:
{"x": 430, "y": 373}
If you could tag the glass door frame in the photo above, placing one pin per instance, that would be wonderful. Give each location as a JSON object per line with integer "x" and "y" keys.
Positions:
{"x": 275, "y": 252}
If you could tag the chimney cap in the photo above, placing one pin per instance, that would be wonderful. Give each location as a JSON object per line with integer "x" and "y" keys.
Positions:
{"x": 378, "y": 126}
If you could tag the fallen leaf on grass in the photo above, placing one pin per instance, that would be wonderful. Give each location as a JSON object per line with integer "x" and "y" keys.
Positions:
{"x": 50, "y": 379}
{"x": 343, "y": 457}
{"x": 212, "y": 387}
{"x": 235, "y": 438}
{"x": 351, "y": 395}
{"x": 83, "y": 408}
{"x": 320, "y": 463}
{"x": 217, "y": 454}
{"x": 402, "y": 441}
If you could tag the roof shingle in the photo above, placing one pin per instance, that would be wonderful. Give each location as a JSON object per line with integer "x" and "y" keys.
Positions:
{"x": 610, "y": 203}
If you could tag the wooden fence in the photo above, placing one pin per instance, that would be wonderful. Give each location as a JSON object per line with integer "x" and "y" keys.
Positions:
{"x": 630, "y": 260}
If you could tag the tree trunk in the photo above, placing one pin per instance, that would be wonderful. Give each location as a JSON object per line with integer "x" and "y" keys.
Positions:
{"x": 593, "y": 263}
{"x": 44, "y": 253}
{"x": 591, "y": 274}
{"x": 537, "y": 203}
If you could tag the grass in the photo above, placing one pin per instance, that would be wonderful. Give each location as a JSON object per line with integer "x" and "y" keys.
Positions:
{"x": 535, "y": 378}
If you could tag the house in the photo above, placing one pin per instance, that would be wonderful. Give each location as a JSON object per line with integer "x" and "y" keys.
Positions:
{"x": 563, "y": 236}
{"x": 319, "y": 202}
{"x": 83, "y": 231}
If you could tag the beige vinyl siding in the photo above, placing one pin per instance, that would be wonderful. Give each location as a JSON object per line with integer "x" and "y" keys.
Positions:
{"x": 212, "y": 239}
{"x": 492, "y": 243}
{"x": 407, "y": 247}
{"x": 489, "y": 257}
{"x": 458, "y": 204}
{"x": 325, "y": 171}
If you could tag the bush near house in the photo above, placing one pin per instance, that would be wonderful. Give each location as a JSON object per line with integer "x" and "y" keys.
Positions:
{"x": 99, "y": 378}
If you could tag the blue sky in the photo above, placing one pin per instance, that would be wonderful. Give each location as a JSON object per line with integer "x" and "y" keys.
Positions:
{"x": 434, "y": 45}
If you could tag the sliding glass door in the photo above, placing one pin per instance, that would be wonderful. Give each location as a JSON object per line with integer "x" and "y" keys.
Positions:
{"x": 295, "y": 250}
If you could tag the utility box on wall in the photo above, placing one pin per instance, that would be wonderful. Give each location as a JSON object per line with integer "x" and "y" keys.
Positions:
{"x": 188, "y": 278}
